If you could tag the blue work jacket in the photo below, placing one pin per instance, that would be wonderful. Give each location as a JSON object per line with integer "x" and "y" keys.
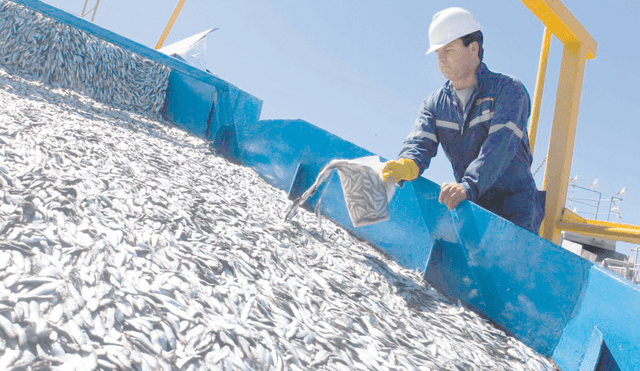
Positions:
{"x": 486, "y": 142}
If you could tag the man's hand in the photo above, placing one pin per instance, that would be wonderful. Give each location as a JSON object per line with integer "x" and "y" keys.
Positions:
{"x": 451, "y": 194}
{"x": 401, "y": 169}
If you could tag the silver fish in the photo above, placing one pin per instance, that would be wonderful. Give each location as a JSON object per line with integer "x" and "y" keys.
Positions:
{"x": 136, "y": 247}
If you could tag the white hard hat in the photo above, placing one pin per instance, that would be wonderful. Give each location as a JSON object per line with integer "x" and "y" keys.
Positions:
{"x": 450, "y": 24}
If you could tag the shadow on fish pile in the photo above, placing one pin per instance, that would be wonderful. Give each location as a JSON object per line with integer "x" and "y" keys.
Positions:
{"x": 127, "y": 245}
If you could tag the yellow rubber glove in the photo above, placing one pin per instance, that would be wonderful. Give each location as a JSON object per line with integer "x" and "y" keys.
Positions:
{"x": 401, "y": 169}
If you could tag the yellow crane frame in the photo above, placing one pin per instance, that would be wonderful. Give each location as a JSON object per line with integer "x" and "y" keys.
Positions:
{"x": 578, "y": 47}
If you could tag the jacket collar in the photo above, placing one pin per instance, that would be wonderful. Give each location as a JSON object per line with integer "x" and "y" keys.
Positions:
{"x": 481, "y": 73}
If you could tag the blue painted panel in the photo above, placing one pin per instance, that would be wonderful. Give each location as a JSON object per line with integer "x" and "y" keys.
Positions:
{"x": 238, "y": 110}
{"x": 613, "y": 305}
{"x": 607, "y": 362}
{"x": 404, "y": 237}
{"x": 275, "y": 147}
{"x": 450, "y": 274}
{"x": 302, "y": 180}
{"x": 494, "y": 266}
{"x": 593, "y": 353}
{"x": 437, "y": 217}
{"x": 598, "y": 357}
{"x": 531, "y": 286}
{"x": 189, "y": 102}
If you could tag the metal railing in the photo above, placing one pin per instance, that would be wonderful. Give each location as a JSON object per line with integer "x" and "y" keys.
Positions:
{"x": 636, "y": 267}
{"x": 627, "y": 269}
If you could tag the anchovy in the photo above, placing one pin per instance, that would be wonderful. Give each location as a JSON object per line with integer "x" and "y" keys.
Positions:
{"x": 7, "y": 327}
{"x": 169, "y": 334}
{"x": 158, "y": 340}
{"x": 9, "y": 358}
{"x": 76, "y": 332}
{"x": 141, "y": 339}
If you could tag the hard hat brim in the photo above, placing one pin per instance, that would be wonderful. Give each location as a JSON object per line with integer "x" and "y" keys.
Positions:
{"x": 433, "y": 48}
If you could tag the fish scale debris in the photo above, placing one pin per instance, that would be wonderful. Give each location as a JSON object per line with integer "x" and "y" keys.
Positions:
{"x": 126, "y": 244}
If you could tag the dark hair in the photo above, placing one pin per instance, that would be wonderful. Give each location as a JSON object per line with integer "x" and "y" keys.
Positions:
{"x": 477, "y": 37}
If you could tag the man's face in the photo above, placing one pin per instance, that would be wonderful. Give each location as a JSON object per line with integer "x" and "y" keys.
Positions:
{"x": 456, "y": 61}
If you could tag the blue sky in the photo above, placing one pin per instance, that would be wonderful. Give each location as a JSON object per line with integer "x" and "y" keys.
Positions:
{"x": 358, "y": 69}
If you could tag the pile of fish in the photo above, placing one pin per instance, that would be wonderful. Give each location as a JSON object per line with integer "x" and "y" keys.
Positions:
{"x": 128, "y": 245}
{"x": 39, "y": 48}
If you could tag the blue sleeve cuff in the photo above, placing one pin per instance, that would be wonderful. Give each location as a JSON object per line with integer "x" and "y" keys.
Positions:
{"x": 471, "y": 193}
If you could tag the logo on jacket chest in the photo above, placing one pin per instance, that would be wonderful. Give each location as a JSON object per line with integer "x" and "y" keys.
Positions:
{"x": 485, "y": 99}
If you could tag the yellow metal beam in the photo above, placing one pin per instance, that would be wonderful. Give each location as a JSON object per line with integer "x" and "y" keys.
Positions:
{"x": 555, "y": 15}
{"x": 595, "y": 228}
{"x": 169, "y": 25}
{"x": 563, "y": 135}
{"x": 537, "y": 97}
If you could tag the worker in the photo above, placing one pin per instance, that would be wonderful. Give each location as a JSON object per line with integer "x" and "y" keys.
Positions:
{"x": 480, "y": 119}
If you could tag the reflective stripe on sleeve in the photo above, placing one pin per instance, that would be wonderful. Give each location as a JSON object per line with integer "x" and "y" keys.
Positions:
{"x": 423, "y": 134}
{"x": 509, "y": 125}
{"x": 486, "y": 116}
{"x": 448, "y": 124}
